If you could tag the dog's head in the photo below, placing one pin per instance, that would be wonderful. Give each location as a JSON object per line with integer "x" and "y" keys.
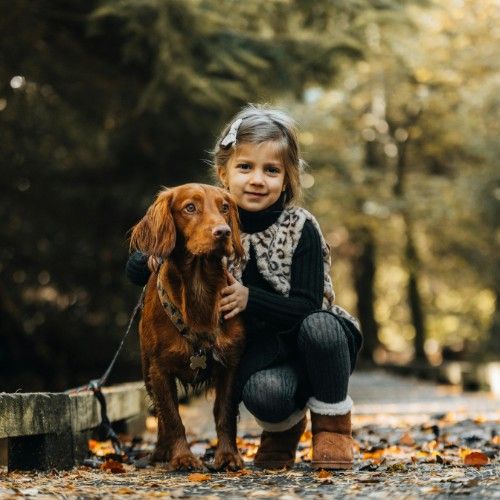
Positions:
{"x": 197, "y": 218}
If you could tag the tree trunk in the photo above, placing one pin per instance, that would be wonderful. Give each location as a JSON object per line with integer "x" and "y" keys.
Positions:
{"x": 364, "y": 276}
{"x": 492, "y": 345}
{"x": 412, "y": 260}
{"x": 414, "y": 297}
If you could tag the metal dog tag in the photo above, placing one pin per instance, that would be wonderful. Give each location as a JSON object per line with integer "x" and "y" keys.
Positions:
{"x": 198, "y": 361}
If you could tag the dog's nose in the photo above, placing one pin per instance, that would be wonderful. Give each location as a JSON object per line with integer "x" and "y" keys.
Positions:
{"x": 221, "y": 232}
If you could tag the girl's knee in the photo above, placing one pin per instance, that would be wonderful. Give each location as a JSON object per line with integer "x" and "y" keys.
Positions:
{"x": 268, "y": 397}
{"x": 322, "y": 330}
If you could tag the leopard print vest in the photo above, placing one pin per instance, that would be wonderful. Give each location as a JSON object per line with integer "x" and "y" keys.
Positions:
{"x": 274, "y": 248}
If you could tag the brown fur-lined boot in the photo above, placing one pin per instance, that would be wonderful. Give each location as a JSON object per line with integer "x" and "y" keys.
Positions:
{"x": 277, "y": 449}
{"x": 332, "y": 441}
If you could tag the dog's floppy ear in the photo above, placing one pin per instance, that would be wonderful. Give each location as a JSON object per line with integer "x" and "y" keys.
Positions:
{"x": 234, "y": 223}
{"x": 155, "y": 234}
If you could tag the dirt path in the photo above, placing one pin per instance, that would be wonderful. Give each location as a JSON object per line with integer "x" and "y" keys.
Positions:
{"x": 412, "y": 439}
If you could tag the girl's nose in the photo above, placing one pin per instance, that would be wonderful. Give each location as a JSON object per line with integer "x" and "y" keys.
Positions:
{"x": 257, "y": 177}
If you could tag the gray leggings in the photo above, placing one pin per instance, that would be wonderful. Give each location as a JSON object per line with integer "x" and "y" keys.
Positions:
{"x": 326, "y": 357}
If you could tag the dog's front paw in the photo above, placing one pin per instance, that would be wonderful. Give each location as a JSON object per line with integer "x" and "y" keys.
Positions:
{"x": 185, "y": 461}
{"x": 159, "y": 455}
{"x": 229, "y": 460}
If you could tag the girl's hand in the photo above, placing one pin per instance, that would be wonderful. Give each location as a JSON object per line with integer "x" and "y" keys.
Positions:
{"x": 234, "y": 298}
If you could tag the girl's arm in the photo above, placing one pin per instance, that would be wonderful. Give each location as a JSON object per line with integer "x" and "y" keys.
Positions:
{"x": 306, "y": 290}
{"x": 137, "y": 269}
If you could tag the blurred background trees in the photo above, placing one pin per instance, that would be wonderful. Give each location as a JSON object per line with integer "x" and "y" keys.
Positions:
{"x": 102, "y": 102}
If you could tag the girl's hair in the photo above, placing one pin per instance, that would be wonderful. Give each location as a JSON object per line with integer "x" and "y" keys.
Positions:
{"x": 260, "y": 123}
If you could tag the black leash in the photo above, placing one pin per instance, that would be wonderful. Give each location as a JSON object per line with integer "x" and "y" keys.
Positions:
{"x": 105, "y": 429}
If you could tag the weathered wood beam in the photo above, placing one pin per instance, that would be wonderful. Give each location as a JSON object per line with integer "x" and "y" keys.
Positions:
{"x": 50, "y": 430}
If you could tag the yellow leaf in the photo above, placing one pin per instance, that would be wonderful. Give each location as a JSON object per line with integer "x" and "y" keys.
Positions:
{"x": 123, "y": 491}
{"x": 197, "y": 477}
{"x": 432, "y": 444}
{"x": 373, "y": 454}
{"x": 307, "y": 436}
{"x": 100, "y": 448}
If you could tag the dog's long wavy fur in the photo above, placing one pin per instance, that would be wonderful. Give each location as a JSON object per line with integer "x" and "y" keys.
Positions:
{"x": 192, "y": 244}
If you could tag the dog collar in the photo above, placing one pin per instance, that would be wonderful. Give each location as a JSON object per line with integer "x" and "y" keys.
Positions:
{"x": 199, "y": 358}
{"x": 172, "y": 311}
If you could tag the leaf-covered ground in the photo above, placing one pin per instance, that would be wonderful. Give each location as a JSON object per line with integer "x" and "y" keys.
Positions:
{"x": 398, "y": 454}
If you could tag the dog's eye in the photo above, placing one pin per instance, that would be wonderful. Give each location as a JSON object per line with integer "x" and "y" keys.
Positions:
{"x": 225, "y": 208}
{"x": 190, "y": 208}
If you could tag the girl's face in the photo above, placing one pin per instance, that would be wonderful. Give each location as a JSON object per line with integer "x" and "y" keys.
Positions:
{"x": 254, "y": 175}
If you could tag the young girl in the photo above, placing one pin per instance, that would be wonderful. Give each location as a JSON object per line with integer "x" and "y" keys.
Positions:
{"x": 301, "y": 349}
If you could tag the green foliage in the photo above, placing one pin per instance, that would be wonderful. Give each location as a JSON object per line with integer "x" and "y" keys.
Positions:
{"x": 101, "y": 102}
{"x": 412, "y": 134}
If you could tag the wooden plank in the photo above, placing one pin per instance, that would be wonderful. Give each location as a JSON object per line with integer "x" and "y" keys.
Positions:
{"x": 123, "y": 401}
{"x": 33, "y": 413}
{"x": 49, "y": 430}
{"x": 25, "y": 414}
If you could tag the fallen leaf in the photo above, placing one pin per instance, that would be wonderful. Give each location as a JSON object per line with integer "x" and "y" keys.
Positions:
{"x": 323, "y": 474}
{"x": 476, "y": 458}
{"x": 422, "y": 453}
{"x": 113, "y": 466}
{"x": 371, "y": 466}
{"x": 238, "y": 473}
{"x": 101, "y": 448}
{"x": 432, "y": 444}
{"x": 373, "y": 454}
{"x": 306, "y": 436}
{"x": 197, "y": 477}
{"x": 407, "y": 440}
{"x": 449, "y": 418}
{"x": 431, "y": 489}
{"x": 124, "y": 491}
{"x": 397, "y": 467}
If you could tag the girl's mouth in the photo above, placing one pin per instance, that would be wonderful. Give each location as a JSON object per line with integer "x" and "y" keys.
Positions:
{"x": 255, "y": 194}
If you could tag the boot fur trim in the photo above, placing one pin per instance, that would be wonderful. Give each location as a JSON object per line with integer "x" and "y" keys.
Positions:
{"x": 340, "y": 408}
{"x": 284, "y": 425}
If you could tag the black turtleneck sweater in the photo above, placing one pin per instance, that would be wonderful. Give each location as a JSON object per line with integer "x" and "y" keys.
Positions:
{"x": 266, "y": 308}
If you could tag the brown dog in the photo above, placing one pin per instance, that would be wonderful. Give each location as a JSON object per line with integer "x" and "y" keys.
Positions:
{"x": 191, "y": 228}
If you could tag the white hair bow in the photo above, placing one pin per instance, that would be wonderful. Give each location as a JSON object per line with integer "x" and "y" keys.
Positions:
{"x": 231, "y": 135}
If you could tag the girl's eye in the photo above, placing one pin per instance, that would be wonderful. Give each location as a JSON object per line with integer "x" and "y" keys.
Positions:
{"x": 243, "y": 166}
{"x": 190, "y": 208}
{"x": 273, "y": 170}
{"x": 225, "y": 208}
